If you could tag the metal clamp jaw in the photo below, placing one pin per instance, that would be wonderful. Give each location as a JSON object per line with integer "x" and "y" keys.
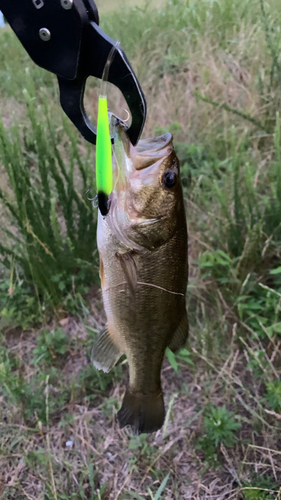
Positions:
{"x": 63, "y": 37}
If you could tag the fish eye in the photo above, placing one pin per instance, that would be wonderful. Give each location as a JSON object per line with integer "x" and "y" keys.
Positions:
{"x": 169, "y": 179}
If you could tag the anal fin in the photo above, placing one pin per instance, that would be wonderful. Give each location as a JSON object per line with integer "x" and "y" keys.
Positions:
{"x": 180, "y": 335}
{"x": 105, "y": 353}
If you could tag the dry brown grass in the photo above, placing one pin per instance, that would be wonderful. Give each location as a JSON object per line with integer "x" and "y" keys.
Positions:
{"x": 225, "y": 78}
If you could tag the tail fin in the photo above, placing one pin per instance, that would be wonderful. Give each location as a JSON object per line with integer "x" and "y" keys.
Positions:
{"x": 143, "y": 412}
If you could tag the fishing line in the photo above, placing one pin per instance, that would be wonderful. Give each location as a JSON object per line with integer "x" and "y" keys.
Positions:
{"x": 160, "y": 288}
{"x": 146, "y": 284}
{"x": 104, "y": 80}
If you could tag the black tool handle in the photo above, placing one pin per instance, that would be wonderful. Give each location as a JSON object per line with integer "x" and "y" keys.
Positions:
{"x": 121, "y": 74}
{"x": 50, "y": 33}
{"x": 63, "y": 37}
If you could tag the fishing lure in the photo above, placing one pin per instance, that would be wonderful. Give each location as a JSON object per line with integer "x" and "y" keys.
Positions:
{"x": 104, "y": 175}
{"x": 103, "y": 157}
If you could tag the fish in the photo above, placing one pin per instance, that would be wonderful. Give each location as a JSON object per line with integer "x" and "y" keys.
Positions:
{"x": 143, "y": 252}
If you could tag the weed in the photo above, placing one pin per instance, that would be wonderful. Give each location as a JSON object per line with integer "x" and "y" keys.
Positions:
{"x": 29, "y": 396}
{"x": 273, "y": 395}
{"x": 260, "y": 488}
{"x": 51, "y": 225}
{"x": 258, "y": 363}
{"x": 158, "y": 494}
{"x": 109, "y": 405}
{"x": 220, "y": 426}
{"x": 19, "y": 305}
{"x": 172, "y": 359}
{"x": 140, "y": 444}
{"x": 180, "y": 358}
{"x": 160, "y": 490}
{"x": 94, "y": 381}
{"x": 51, "y": 346}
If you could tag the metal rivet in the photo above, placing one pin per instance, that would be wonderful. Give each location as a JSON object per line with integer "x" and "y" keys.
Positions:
{"x": 45, "y": 34}
{"x": 38, "y": 3}
{"x": 66, "y": 4}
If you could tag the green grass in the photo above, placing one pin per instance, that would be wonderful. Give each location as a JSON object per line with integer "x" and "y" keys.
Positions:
{"x": 113, "y": 5}
{"x": 211, "y": 75}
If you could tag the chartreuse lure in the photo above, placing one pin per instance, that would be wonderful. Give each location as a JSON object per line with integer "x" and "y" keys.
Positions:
{"x": 104, "y": 176}
{"x": 103, "y": 157}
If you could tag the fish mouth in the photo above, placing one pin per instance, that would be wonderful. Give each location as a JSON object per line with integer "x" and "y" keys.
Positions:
{"x": 144, "y": 158}
{"x": 150, "y": 151}
{"x": 154, "y": 144}
{"x": 146, "y": 153}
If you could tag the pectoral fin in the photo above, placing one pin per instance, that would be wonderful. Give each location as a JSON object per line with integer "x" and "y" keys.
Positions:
{"x": 130, "y": 270}
{"x": 105, "y": 353}
{"x": 180, "y": 335}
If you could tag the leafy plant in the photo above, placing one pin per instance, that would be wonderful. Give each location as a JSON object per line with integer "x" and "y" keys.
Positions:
{"x": 29, "y": 396}
{"x": 141, "y": 445}
{"x": 51, "y": 346}
{"x": 273, "y": 395}
{"x": 109, "y": 405}
{"x": 172, "y": 359}
{"x": 259, "y": 304}
{"x": 260, "y": 488}
{"x": 18, "y": 304}
{"x": 258, "y": 363}
{"x": 183, "y": 356}
{"x": 93, "y": 381}
{"x": 220, "y": 426}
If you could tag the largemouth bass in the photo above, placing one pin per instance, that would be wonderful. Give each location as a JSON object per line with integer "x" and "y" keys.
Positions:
{"x": 142, "y": 245}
